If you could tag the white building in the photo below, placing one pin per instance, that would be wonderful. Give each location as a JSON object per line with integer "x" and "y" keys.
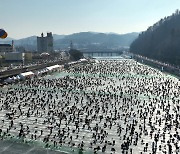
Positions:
{"x": 45, "y": 44}
{"x": 14, "y": 56}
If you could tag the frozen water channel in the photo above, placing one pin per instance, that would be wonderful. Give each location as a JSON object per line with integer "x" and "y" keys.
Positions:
{"x": 110, "y": 106}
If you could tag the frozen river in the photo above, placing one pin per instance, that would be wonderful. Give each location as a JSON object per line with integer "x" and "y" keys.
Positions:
{"x": 109, "y": 106}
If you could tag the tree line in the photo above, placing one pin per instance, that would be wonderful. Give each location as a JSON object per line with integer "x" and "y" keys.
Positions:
{"x": 160, "y": 41}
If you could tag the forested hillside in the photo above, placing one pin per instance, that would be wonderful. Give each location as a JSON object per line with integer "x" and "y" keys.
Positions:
{"x": 92, "y": 40}
{"x": 161, "y": 41}
{"x": 82, "y": 40}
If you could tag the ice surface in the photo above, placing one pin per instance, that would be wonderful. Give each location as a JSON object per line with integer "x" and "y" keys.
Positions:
{"x": 133, "y": 100}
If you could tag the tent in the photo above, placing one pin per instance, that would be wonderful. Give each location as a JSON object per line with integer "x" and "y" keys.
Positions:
{"x": 54, "y": 67}
{"x": 18, "y": 77}
{"x": 26, "y": 75}
{"x": 45, "y": 70}
{"x": 9, "y": 80}
{"x": 83, "y": 60}
{"x": 14, "y": 78}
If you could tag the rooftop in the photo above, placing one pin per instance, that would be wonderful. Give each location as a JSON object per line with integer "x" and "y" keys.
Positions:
{"x": 5, "y": 45}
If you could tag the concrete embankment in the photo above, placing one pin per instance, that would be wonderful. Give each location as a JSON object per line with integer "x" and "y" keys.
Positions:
{"x": 165, "y": 68}
{"x": 13, "y": 72}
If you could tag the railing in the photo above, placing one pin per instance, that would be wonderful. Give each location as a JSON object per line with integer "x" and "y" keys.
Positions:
{"x": 17, "y": 71}
{"x": 159, "y": 65}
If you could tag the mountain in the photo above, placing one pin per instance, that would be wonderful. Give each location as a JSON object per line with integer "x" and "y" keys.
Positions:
{"x": 160, "y": 41}
{"x": 29, "y": 43}
{"x": 8, "y": 39}
{"x": 82, "y": 40}
{"x": 94, "y": 40}
{"x": 57, "y": 37}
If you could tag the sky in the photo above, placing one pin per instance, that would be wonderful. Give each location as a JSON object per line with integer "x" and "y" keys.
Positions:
{"x": 23, "y": 18}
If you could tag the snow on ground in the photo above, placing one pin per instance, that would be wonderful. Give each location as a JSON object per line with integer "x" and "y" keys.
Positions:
{"x": 115, "y": 106}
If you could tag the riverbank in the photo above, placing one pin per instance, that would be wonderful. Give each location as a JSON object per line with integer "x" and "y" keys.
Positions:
{"x": 175, "y": 71}
{"x": 14, "y": 72}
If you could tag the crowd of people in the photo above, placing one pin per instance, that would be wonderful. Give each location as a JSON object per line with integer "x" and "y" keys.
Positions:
{"x": 109, "y": 106}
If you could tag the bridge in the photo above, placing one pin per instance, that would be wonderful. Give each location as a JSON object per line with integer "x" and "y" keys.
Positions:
{"x": 101, "y": 53}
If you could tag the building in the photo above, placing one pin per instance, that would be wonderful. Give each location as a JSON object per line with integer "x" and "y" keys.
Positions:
{"x": 45, "y": 44}
{"x": 6, "y": 48}
{"x": 14, "y": 56}
{"x": 28, "y": 56}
